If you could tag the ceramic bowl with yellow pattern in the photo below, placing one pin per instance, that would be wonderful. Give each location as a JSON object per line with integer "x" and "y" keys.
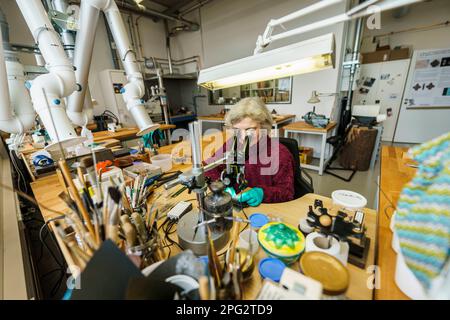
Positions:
{"x": 282, "y": 241}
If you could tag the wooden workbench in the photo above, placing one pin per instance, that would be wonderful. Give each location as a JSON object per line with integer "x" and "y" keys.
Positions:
{"x": 305, "y": 127}
{"x": 278, "y": 118}
{"x": 124, "y": 133}
{"x": 46, "y": 191}
{"x": 106, "y": 138}
{"x": 395, "y": 173}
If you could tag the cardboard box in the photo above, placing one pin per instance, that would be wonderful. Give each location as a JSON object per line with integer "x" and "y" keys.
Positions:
{"x": 377, "y": 56}
{"x": 399, "y": 54}
{"x": 305, "y": 154}
{"x": 384, "y": 48}
{"x": 385, "y": 55}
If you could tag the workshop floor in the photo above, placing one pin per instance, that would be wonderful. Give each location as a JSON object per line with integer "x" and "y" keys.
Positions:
{"x": 363, "y": 182}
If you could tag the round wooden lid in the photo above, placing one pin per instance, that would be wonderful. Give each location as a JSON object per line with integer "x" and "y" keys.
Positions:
{"x": 326, "y": 269}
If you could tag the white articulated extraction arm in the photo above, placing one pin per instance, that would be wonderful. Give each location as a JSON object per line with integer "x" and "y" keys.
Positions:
{"x": 68, "y": 39}
{"x": 16, "y": 111}
{"x": 134, "y": 90}
{"x": 48, "y": 90}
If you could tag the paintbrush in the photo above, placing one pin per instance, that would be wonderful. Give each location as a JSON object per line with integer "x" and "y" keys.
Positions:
{"x": 142, "y": 190}
{"x": 61, "y": 180}
{"x": 83, "y": 232}
{"x": 234, "y": 239}
{"x": 113, "y": 220}
{"x": 135, "y": 191}
{"x": 78, "y": 255}
{"x": 125, "y": 202}
{"x": 203, "y": 287}
{"x": 235, "y": 276}
{"x": 68, "y": 178}
{"x": 140, "y": 227}
{"x": 104, "y": 219}
{"x": 213, "y": 260}
{"x": 128, "y": 230}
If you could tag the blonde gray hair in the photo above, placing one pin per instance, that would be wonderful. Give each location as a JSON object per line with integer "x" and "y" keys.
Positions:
{"x": 252, "y": 108}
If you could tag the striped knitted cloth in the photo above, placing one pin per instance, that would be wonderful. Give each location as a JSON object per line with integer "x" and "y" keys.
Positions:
{"x": 422, "y": 222}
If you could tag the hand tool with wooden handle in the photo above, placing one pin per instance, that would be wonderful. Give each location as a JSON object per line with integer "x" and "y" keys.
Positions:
{"x": 68, "y": 178}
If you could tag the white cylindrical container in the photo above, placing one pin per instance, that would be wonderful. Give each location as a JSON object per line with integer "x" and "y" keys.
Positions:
{"x": 164, "y": 161}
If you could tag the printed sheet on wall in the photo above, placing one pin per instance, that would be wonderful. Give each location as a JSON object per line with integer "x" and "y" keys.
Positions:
{"x": 429, "y": 86}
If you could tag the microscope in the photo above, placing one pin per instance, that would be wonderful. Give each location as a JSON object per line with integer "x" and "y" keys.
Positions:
{"x": 215, "y": 210}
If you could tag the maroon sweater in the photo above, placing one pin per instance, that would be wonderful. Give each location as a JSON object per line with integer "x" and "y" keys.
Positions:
{"x": 274, "y": 174}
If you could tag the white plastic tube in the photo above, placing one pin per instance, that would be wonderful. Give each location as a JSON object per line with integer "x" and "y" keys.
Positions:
{"x": 87, "y": 114}
{"x": 134, "y": 90}
{"x": 48, "y": 90}
{"x": 16, "y": 112}
{"x": 84, "y": 46}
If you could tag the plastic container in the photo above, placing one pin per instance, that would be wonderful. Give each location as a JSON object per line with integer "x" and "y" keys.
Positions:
{"x": 329, "y": 271}
{"x": 142, "y": 168}
{"x": 257, "y": 220}
{"x": 349, "y": 200}
{"x": 245, "y": 238}
{"x": 282, "y": 241}
{"x": 271, "y": 268}
{"x": 164, "y": 161}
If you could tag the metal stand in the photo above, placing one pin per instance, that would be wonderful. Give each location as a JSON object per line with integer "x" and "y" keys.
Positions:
{"x": 197, "y": 241}
{"x": 194, "y": 179}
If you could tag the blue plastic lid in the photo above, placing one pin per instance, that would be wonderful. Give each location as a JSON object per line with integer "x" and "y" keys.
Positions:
{"x": 204, "y": 259}
{"x": 271, "y": 268}
{"x": 133, "y": 151}
{"x": 257, "y": 220}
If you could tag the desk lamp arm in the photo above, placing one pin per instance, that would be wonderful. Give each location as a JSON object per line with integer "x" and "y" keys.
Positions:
{"x": 359, "y": 11}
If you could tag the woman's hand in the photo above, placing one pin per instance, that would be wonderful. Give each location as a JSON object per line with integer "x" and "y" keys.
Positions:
{"x": 253, "y": 197}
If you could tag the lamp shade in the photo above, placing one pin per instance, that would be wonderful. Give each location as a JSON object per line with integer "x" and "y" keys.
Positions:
{"x": 314, "y": 98}
{"x": 303, "y": 57}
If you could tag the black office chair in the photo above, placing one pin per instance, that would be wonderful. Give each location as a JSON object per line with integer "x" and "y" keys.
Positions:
{"x": 301, "y": 186}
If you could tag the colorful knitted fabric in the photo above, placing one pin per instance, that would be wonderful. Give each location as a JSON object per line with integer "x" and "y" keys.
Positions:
{"x": 422, "y": 222}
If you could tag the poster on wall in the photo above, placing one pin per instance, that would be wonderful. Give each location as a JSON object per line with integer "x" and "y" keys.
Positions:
{"x": 430, "y": 83}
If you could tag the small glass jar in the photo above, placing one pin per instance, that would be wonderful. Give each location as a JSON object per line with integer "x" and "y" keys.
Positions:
{"x": 146, "y": 251}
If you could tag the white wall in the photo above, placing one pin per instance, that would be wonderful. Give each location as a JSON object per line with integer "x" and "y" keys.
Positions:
{"x": 229, "y": 29}
{"x": 421, "y": 14}
{"x": 417, "y": 125}
{"x": 151, "y": 44}
{"x": 18, "y": 29}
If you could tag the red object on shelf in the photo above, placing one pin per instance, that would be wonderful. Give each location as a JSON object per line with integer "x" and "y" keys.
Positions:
{"x": 103, "y": 166}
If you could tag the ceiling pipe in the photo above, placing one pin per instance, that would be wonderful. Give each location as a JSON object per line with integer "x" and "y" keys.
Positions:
{"x": 196, "y": 6}
{"x": 150, "y": 13}
{"x": 177, "y": 6}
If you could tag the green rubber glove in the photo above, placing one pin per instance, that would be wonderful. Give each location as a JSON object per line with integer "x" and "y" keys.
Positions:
{"x": 148, "y": 140}
{"x": 253, "y": 197}
{"x": 231, "y": 191}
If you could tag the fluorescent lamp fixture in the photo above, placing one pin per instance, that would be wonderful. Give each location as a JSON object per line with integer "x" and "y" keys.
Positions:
{"x": 303, "y": 57}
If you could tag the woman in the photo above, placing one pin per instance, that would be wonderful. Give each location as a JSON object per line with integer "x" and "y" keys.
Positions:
{"x": 270, "y": 174}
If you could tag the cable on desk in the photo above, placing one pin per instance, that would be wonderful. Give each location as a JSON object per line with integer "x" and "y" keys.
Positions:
{"x": 45, "y": 244}
{"x": 20, "y": 177}
{"x": 62, "y": 267}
